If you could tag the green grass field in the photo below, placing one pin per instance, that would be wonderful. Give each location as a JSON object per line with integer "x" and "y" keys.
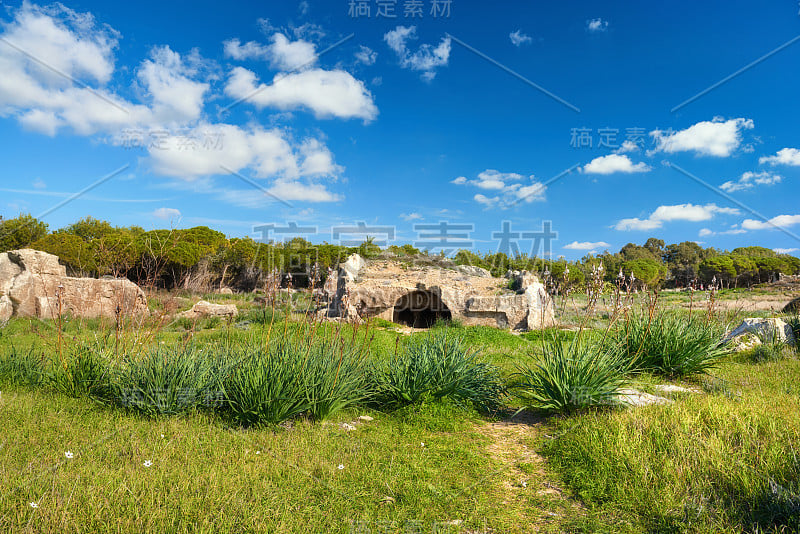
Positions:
{"x": 721, "y": 459}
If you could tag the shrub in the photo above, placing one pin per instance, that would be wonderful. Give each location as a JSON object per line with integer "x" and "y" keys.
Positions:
{"x": 669, "y": 344}
{"x": 436, "y": 366}
{"x": 570, "y": 376}
{"x": 166, "y": 382}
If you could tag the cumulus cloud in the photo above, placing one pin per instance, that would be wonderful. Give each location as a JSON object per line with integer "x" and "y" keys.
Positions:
{"x": 366, "y": 55}
{"x": 77, "y": 95}
{"x": 326, "y": 93}
{"x": 678, "y": 212}
{"x": 167, "y": 214}
{"x": 414, "y": 216}
{"x": 282, "y": 53}
{"x": 785, "y": 250}
{"x": 781, "y": 221}
{"x": 614, "y": 163}
{"x": 717, "y": 137}
{"x": 587, "y": 245}
{"x": 426, "y": 59}
{"x": 596, "y": 25}
{"x": 785, "y": 156}
{"x": 518, "y": 38}
{"x": 507, "y": 189}
{"x": 627, "y": 146}
{"x": 749, "y": 180}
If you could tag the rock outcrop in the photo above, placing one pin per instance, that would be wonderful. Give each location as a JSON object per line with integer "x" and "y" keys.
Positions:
{"x": 33, "y": 283}
{"x": 418, "y": 295}
{"x": 753, "y": 331}
{"x": 208, "y": 309}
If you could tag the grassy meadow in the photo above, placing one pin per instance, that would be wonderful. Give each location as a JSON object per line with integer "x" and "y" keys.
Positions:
{"x": 275, "y": 422}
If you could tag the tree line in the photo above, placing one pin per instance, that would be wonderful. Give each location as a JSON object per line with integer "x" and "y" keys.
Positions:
{"x": 201, "y": 258}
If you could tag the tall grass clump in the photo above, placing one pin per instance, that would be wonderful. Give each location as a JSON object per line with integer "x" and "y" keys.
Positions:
{"x": 668, "y": 343}
{"x": 84, "y": 372}
{"x": 794, "y": 323}
{"x": 18, "y": 368}
{"x": 166, "y": 381}
{"x": 293, "y": 376}
{"x": 436, "y": 366}
{"x": 570, "y": 376}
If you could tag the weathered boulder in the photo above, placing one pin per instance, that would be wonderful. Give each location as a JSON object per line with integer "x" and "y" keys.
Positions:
{"x": 208, "y": 309}
{"x": 225, "y": 291}
{"x": 792, "y": 307}
{"x": 419, "y": 294}
{"x": 752, "y": 330}
{"x": 33, "y": 283}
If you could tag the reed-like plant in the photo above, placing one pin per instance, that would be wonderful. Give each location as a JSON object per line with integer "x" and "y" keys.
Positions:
{"x": 166, "y": 381}
{"x": 570, "y": 376}
{"x": 20, "y": 368}
{"x": 84, "y": 372}
{"x": 668, "y": 343}
{"x": 438, "y": 365}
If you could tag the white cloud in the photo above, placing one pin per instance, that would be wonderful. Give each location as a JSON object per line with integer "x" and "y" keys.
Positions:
{"x": 326, "y": 93}
{"x": 518, "y": 38}
{"x": 167, "y": 214}
{"x": 749, "y": 180}
{"x": 83, "y": 50}
{"x": 710, "y": 138}
{"x": 426, "y": 59}
{"x": 785, "y": 156}
{"x": 414, "y": 216}
{"x": 38, "y": 183}
{"x": 366, "y": 55}
{"x": 613, "y": 163}
{"x": 678, "y": 212}
{"x": 785, "y": 250}
{"x": 627, "y": 146}
{"x": 509, "y": 188}
{"x": 705, "y": 232}
{"x": 781, "y": 221}
{"x": 596, "y": 25}
{"x": 282, "y": 53}
{"x": 586, "y": 245}
{"x": 176, "y": 97}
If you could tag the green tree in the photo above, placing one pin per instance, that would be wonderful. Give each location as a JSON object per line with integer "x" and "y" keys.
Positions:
{"x": 20, "y": 232}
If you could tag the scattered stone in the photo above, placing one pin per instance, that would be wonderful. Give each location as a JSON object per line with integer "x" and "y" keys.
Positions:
{"x": 757, "y": 329}
{"x": 634, "y": 397}
{"x": 207, "y": 309}
{"x": 348, "y": 427}
{"x": 365, "y": 418}
{"x": 671, "y": 388}
{"x": 32, "y": 283}
{"x": 225, "y": 291}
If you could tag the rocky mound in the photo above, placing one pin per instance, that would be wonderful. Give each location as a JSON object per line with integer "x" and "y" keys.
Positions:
{"x": 32, "y": 283}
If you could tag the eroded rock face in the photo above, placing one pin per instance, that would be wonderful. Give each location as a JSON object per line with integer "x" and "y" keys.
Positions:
{"x": 417, "y": 295}
{"x": 208, "y": 309}
{"x": 753, "y": 330}
{"x": 32, "y": 283}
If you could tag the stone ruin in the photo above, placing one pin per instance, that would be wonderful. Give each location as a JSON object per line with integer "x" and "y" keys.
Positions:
{"x": 417, "y": 295}
{"x": 33, "y": 282}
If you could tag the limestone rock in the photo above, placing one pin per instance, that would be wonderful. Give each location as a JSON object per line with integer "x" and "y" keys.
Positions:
{"x": 759, "y": 328}
{"x": 225, "y": 291}
{"x": 792, "y": 307}
{"x": 208, "y": 309}
{"x": 32, "y": 283}
{"x": 471, "y": 270}
{"x": 634, "y": 397}
{"x": 419, "y": 294}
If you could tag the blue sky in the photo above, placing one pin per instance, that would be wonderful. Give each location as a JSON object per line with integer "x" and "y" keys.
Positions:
{"x": 227, "y": 115}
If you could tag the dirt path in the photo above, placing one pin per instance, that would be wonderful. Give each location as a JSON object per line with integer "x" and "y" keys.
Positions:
{"x": 521, "y": 480}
